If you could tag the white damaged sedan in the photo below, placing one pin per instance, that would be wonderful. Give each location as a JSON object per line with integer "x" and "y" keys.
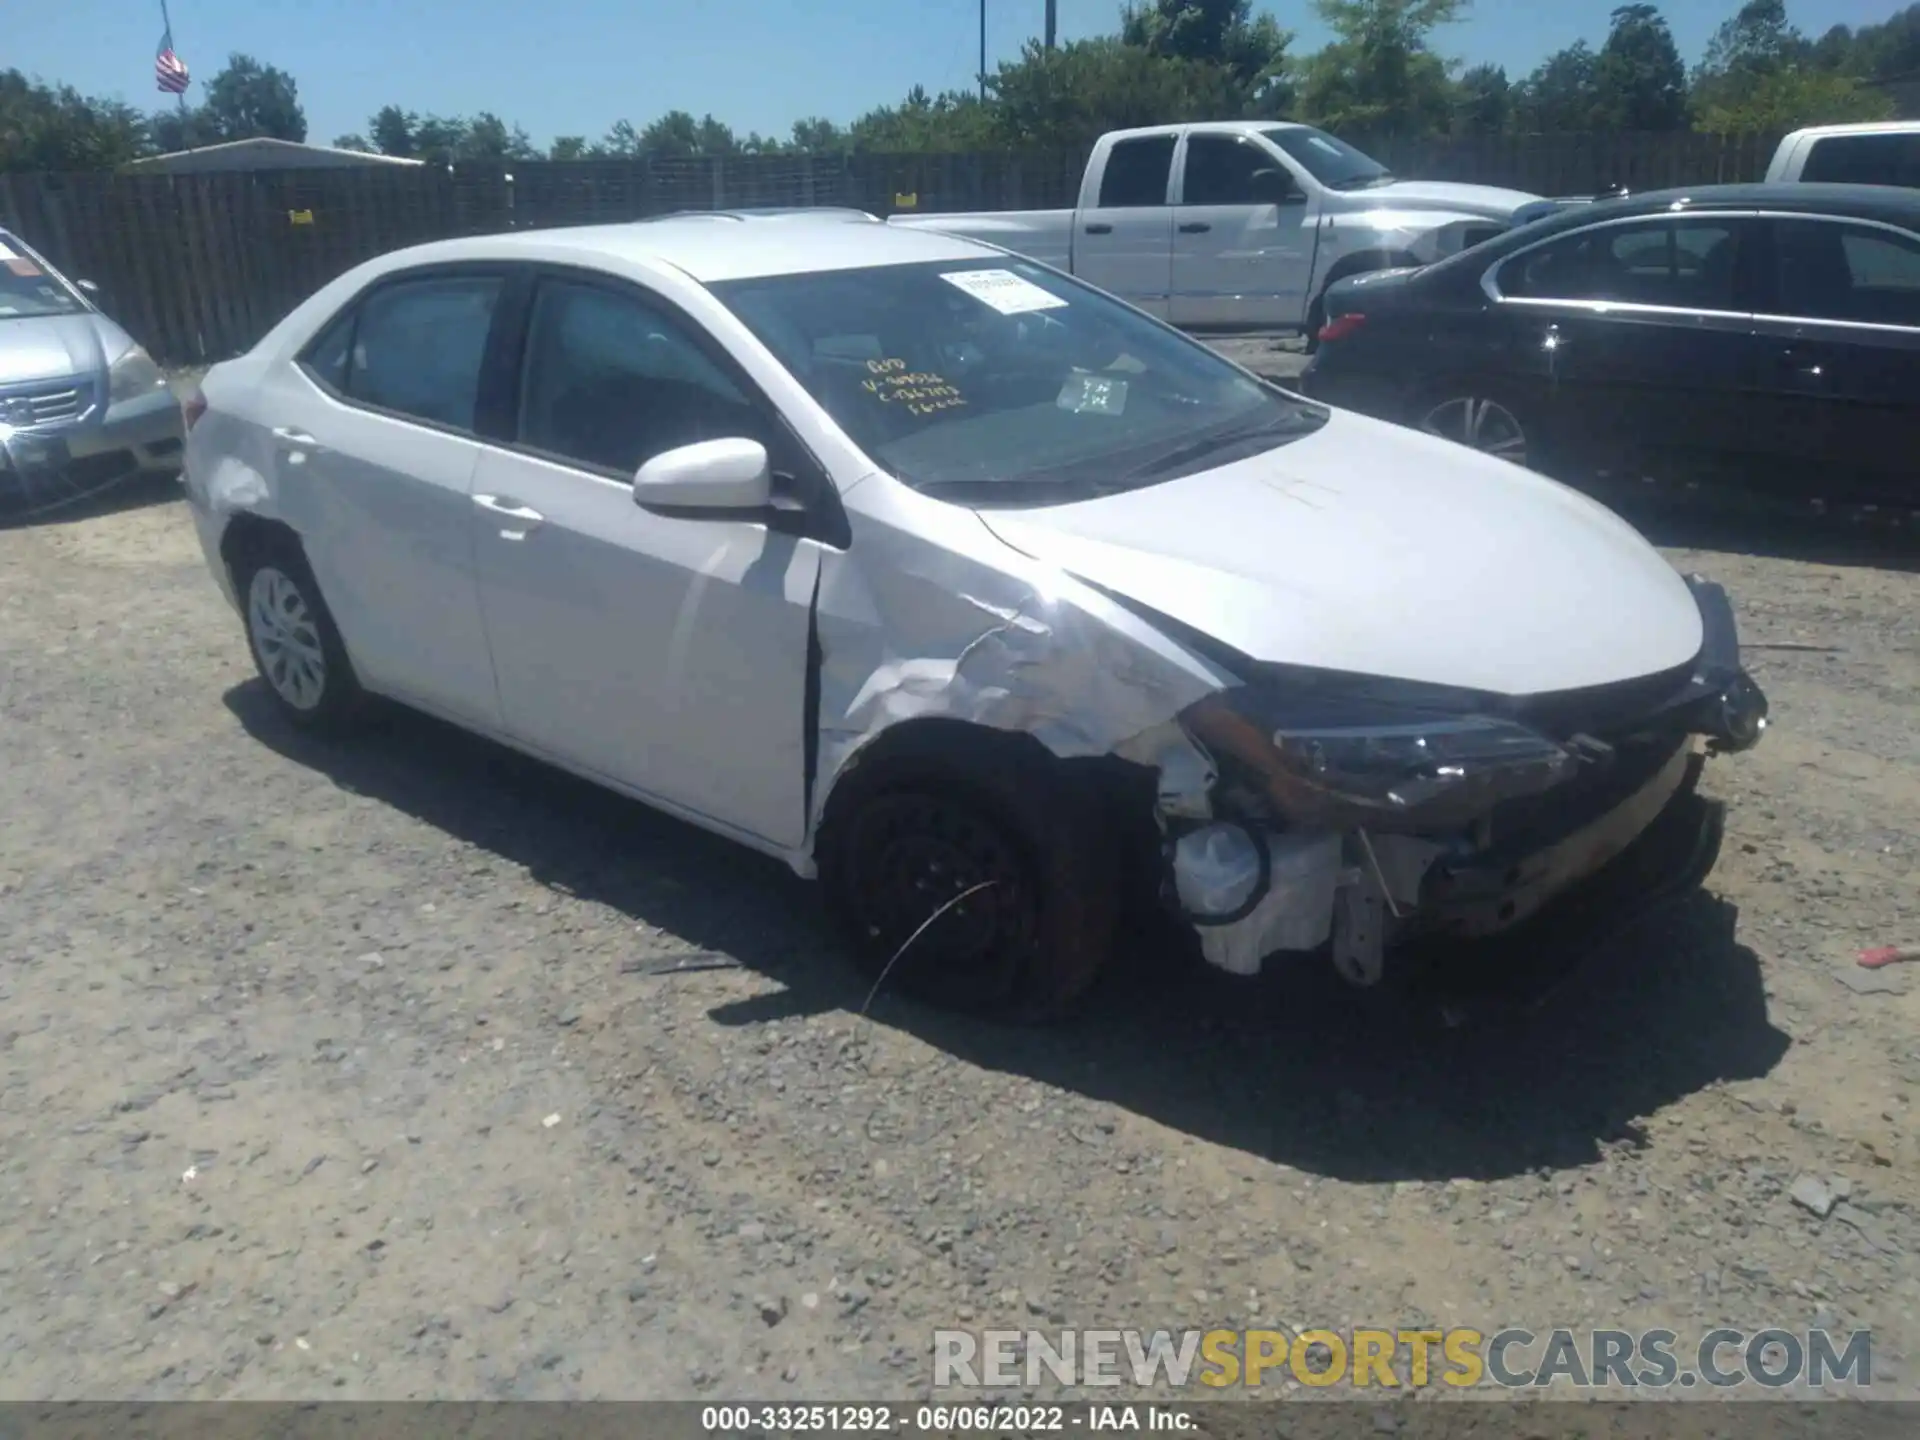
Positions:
{"x": 959, "y": 584}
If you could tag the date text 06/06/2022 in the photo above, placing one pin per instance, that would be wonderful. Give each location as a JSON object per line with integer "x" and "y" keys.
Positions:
{"x": 750, "y": 1419}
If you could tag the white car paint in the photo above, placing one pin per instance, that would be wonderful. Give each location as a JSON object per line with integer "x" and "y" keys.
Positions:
{"x": 1220, "y": 267}
{"x": 667, "y": 656}
{"x": 1267, "y": 554}
{"x": 1899, "y": 139}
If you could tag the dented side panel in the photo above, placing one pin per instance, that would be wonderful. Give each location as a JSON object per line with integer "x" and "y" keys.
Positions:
{"x": 969, "y": 630}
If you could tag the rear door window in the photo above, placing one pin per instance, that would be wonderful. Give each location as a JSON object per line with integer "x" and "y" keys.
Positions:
{"x": 1137, "y": 173}
{"x": 418, "y": 346}
{"x": 1842, "y": 270}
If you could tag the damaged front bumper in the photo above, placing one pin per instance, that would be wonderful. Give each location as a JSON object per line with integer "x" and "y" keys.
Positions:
{"x": 1354, "y": 814}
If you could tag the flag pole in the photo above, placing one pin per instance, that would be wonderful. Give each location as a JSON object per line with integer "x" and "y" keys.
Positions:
{"x": 180, "y": 96}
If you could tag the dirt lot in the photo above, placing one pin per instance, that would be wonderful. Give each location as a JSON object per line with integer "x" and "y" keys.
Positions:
{"x": 346, "y": 1072}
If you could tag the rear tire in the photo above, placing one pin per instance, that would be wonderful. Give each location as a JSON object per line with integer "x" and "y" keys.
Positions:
{"x": 295, "y": 645}
{"x": 946, "y": 811}
{"x": 1481, "y": 417}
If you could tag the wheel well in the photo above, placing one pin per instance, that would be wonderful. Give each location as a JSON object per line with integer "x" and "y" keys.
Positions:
{"x": 1122, "y": 793}
{"x": 249, "y": 535}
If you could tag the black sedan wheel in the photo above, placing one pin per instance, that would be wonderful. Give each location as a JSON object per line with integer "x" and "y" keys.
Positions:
{"x": 1480, "y": 423}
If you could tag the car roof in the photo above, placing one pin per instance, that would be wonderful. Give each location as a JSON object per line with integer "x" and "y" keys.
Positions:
{"x": 1891, "y": 204}
{"x": 717, "y": 245}
{"x": 1858, "y": 127}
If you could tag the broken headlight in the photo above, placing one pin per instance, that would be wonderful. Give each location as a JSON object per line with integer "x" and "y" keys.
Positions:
{"x": 1328, "y": 760}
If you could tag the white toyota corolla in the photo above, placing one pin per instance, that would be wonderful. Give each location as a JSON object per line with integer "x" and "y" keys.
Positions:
{"x": 960, "y": 584}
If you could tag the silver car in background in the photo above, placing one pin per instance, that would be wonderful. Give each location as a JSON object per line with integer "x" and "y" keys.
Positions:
{"x": 82, "y": 407}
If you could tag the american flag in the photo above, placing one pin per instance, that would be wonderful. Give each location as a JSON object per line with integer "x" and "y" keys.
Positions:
{"x": 169, "y": 70}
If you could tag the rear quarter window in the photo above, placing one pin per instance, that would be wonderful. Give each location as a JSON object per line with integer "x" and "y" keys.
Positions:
{"x": 1864, "y": 160}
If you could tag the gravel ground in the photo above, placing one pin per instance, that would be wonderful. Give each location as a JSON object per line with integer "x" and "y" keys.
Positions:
{"x": 348, "y": 1071}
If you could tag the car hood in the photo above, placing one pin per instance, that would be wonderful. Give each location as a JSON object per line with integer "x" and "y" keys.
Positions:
{"x": 51, "y": 347}
{"x": 1377, "y": 550}
{"x": 1487, "y": 200}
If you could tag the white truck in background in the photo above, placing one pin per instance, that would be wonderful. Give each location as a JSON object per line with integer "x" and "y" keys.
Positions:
{"x": 1238, "y": 224}
{"x": 1883, "y": 152}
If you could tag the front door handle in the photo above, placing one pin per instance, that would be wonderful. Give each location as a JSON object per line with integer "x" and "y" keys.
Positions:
{"x": 1195, "y": 227}
{"x": 1099, "y": 229}
{"x": 525, "y": 518}
{"x": 287, "y": 435}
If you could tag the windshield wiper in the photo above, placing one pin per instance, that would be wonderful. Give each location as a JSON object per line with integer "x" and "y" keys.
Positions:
{"x": 1364, "y": 182}
{"x": 1304, "y": 423}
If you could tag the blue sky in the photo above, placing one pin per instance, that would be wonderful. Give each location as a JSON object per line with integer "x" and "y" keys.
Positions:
{"x": 575, "y": 66}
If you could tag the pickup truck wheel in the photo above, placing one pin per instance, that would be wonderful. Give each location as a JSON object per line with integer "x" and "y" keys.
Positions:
{"x": 910, "y": 833}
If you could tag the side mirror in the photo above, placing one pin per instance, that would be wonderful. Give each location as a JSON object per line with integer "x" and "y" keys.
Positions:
{"x": 712, "y": 475}
{"x": 1274, "y": 187}
{"x": 89, "y": 287}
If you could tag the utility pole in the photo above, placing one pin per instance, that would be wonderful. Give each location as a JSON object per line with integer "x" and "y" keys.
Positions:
{"x": 1053, "y": 21}
{"x": 983, "y": 50}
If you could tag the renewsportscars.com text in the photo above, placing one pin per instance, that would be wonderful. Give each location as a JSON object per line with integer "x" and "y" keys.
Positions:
{"x": 1722, "y": 1359}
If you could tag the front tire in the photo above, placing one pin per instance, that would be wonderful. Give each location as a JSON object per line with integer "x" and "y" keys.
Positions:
{"x": 295, "y": 645}
{"x": 910, "y": 832}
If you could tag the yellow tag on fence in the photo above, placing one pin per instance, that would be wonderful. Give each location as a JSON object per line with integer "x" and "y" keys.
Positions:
{"x": 906, "y": 202}
{"x": 300, "y": 217}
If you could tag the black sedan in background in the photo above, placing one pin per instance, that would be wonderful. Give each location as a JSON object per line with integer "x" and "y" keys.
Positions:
{"x": 1765, "y": 337}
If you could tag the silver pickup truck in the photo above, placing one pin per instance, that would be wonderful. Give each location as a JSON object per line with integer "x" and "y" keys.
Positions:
{"x": 1238, "y": 224}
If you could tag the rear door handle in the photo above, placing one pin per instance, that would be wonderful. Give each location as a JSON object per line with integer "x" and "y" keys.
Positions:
{"x": 525, "y": 517}
{"x": 287, "y": 435}
{"x": 1195, "y": 227}
{"x": 1098, "y": 229}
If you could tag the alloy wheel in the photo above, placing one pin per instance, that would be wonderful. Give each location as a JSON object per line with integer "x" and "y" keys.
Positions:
{"x": 1480, "y": 424}
{"x": 286, "y": 637}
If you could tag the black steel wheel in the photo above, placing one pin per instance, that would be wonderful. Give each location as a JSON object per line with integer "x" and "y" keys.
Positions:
{"x": 970, "y": 874}
{"x": 931, "y": 869}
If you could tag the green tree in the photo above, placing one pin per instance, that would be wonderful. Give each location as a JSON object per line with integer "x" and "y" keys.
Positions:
{"x": 678, "y": 134}
{"x": 1483, "y": 101}
{"x": 355, "y": 141}
{"x": 951, "y": 121}
{"x": 1380, "y": 76}
{"x": 1068, "y": 96}
{"x": 1760, "y": 74}
{"x": 44, "y": 127}
{"x": 1561, "y": 95}
{"x": 1640, "y": 82}
{"x": 488, "y": 138}
{"x": 621, "y": 140}
{"x": 248, "y": 100}
{"x": 568, "y": 147}
{"x": 395, "y": 132}
{"x": 1212, "y": 32}
{"x": 818, "y": 137}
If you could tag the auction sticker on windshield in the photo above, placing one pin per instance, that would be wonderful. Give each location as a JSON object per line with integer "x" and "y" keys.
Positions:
{"x": 1004, "y": 291}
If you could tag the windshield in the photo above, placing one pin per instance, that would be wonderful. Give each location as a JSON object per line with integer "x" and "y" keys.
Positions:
{"x": 27, "y": 289}
{"x": 1334, "y": 163}
{"x": 1003, "y": 383}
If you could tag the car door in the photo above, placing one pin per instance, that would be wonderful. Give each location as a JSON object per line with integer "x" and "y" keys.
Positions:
{"x": 1637, "y": 338}
{"x": 373, "y": 437}
{"x": 1125, "y": 241}
{"x": 1840, "y": 363}
{"x": 1242, "y": 255}
{"x": 665, "y": 653}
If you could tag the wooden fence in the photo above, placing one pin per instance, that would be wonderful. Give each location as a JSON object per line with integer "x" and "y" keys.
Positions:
{"x": 199, "y": 266}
